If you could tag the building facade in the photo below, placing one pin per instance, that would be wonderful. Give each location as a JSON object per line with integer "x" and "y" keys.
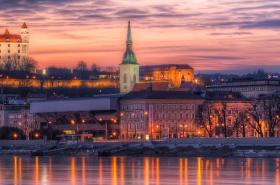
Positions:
{"x": 18, "y": 116}
{"x": 129, "y": 68}
{"x": 249, "y": 89}
{"x": 158, "y": 114}
{"x": 175, "y": 74}
{"x": 14, "y": 45}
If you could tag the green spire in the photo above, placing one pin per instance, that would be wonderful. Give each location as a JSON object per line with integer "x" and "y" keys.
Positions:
{"x": 129, "y": 56}
{"x": 129, "y": 37}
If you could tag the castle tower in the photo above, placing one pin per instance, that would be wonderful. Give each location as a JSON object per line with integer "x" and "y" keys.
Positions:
{"x": 129, "y": 68}
{"x": 25, "y": 40}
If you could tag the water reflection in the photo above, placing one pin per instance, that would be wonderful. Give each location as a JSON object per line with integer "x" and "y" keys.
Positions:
{"x": 18, "y": 170}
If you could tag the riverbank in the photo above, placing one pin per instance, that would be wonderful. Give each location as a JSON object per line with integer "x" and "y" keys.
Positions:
{"x": 192, "y": 147}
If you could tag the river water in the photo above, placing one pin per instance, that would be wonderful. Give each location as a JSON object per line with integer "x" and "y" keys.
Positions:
{"x": 16, "y": 170}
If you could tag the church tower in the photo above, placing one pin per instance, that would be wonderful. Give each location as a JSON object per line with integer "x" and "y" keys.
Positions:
{"x": 25, "y": 40}
{"x": 129, "y": 68}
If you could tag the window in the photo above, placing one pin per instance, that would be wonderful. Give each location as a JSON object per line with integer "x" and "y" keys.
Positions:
{"x": 18, "y": 45}
{"x": 9, "y": 51}
{"x": 124, "y": 78}
{"x": 8, "y": 45}
{"x": 134, "y": 78}
{"x": 18, "y": 51}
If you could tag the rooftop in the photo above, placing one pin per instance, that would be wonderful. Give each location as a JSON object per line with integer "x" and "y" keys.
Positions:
{"x": 148, "y": 94}
{"x": 7, "y": 37}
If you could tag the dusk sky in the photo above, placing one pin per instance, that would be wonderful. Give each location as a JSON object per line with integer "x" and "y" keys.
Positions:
{"x": 209, "y": 35}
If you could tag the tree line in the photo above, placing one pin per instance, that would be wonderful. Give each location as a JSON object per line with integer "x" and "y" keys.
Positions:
{"x": 260, "y": 117}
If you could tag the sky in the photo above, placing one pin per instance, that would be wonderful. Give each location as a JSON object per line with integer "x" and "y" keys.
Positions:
{"x": 210, "y": 35}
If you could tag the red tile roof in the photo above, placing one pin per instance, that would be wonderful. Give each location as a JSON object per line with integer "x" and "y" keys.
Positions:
{"x": 156, "y": 86}
{"x": 24, "y": 26}
{"x": 7, "y": 37}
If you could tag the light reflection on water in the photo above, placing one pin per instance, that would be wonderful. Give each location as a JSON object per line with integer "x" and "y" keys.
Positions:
{"x": 17, "y": 170}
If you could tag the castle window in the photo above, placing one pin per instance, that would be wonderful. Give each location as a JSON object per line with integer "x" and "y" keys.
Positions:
{"x": 18, "y": 45}
{"x": 18, "y": 57}
{"x": 124, "y": 78}
{"x": 8, "y": 45}
{"x": 134, "y": 78}
{"x": 18, "y": 51}
{"x": 8, "y": 51}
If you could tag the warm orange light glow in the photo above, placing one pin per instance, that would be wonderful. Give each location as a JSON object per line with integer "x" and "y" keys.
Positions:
{"x": 73, "y": 170}
{"x": 72, "y": 122}
{"x": 37, "y": 135}
{"x": 146, "y": 171}
{"x": 15, "y": 170}
{"x": 37, "y": 170}
{"x": 199, "y": 171}
{"x": 84, "y": 171}
{"x": 114, "y": 171}
{"x": 15, "y": 136}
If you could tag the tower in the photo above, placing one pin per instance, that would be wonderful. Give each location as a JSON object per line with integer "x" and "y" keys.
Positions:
{"x": 129, "y": 68}
{"x": 24, "y": 33}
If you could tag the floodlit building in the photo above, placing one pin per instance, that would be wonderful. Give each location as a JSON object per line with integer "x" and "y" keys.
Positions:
{"x": 158, "y": 114}
{"x": 175, "y": 74}
{"x": 14, "y": 45}
{"x": 248, "y": 88}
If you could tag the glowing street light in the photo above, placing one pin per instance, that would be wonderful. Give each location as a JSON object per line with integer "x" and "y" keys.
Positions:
{"x": 15, "y": 136}
{"x": 72, "y": 122}
{"x": 37, "y": 135}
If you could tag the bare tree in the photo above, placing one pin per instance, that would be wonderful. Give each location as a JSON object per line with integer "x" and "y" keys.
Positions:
{"x": 221, "y": 113}
{"x": 255, "y": 115}
{"x": 240, "y": 124}
{"x": 271, "y": 110}
{"x": 18, "y": 63}
{"x": 206, "y": 118}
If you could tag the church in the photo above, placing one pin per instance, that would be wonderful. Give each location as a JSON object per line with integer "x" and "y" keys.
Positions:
{"x": 134, "y": 77}
{"x": 14, "y": 45}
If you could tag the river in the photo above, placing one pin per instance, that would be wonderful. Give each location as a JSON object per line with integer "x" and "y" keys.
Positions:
{"x": 17, "y": 170}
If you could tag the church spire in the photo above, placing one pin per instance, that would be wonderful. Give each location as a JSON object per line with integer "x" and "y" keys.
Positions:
{"x": 129, "y": 36}
{"x": 129, "y": 56}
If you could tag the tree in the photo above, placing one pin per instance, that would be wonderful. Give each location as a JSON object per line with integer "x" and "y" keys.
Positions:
{"x": 221, "y": 113}
{"x": 255, "y": 115}
{"x": 271, "y": 111}
{"x": 206, "y": 118}
{"x": 81, "y": 70}
{"x": 13, "y": 63}
{"x": 240, "y": 124}
{"x": 59, "y": 73}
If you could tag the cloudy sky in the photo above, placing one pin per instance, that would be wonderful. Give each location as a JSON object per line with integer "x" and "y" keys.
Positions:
{"x": 210, "y": 35}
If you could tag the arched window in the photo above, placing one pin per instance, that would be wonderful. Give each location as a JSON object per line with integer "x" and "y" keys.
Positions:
{"x": 124, "y": 78}
{"x": 134, "y": 78}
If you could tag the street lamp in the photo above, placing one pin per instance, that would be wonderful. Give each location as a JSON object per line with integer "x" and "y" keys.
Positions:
{"x": 37, "y": 135}
{"x": 15, "y": 136}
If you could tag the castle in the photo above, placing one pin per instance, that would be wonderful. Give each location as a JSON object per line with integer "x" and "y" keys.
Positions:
{"x": 14, "y": 45}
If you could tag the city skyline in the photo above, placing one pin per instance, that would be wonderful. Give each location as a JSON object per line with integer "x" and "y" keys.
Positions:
{"x": 209, "y": 35}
